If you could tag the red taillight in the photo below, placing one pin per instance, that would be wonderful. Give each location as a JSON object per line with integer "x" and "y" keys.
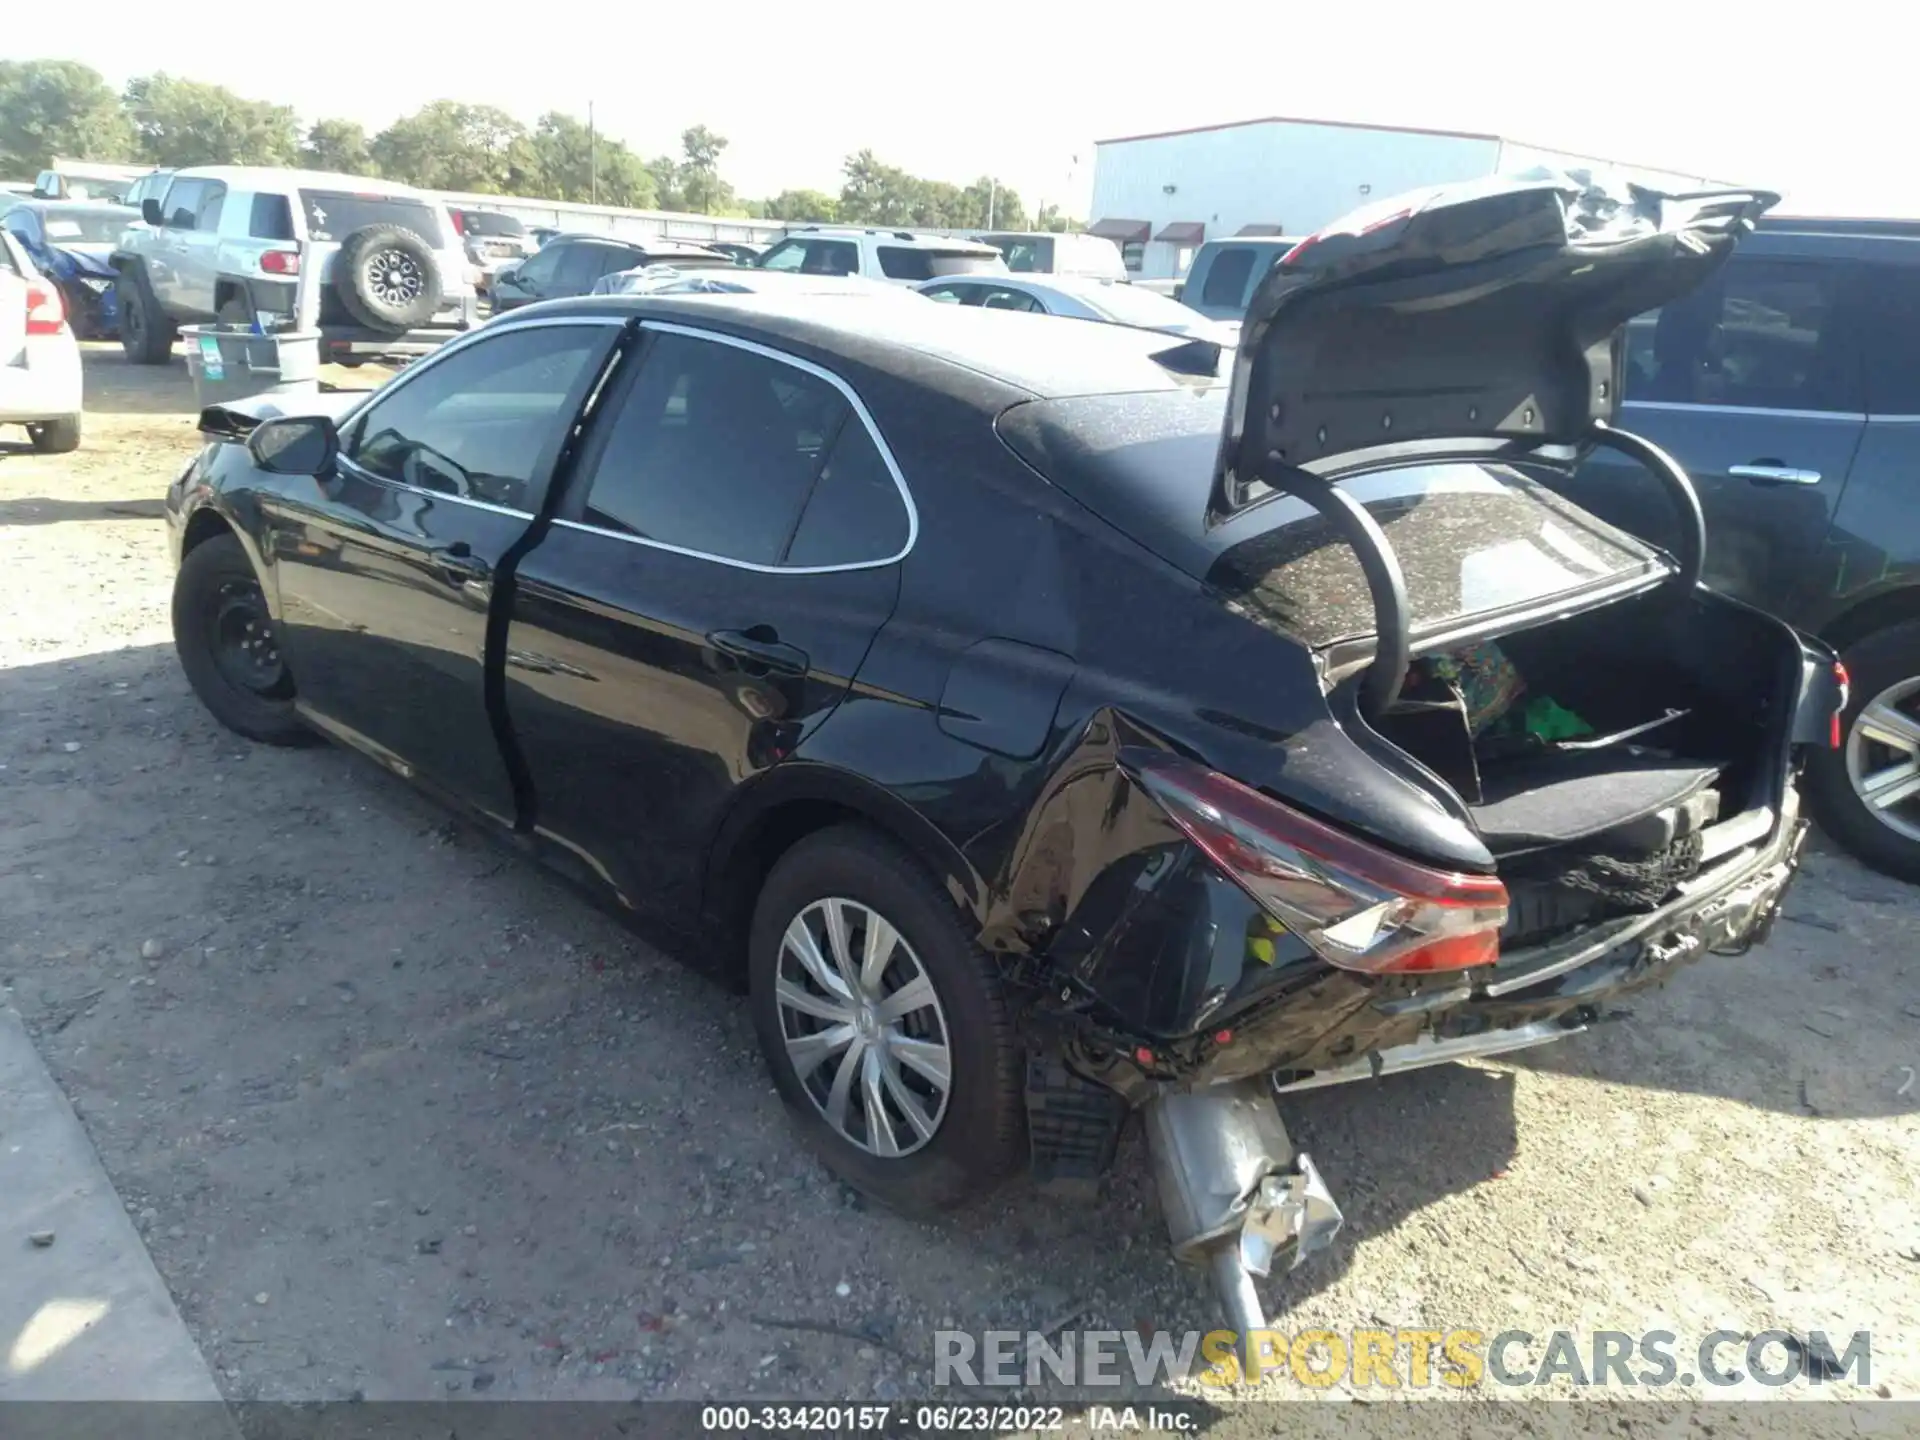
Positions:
{"x": 1357, "y": 906}
{"x": 1845, "y": 683}
{"x": 46, "y": 311}
{"x": 281, "y": 262}
{"x": 459, "y": 223}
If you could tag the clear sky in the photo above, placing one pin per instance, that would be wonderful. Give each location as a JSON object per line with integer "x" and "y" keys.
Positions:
{"x": 1816, "y": 101}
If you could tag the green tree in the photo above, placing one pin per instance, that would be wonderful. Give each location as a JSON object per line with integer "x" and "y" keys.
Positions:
{"x": 702, "y": 191}
{"x": 990, "y": 203}
{"x": 665, "y": 171}
{"x": 189, "y": 122}
{"x": 338, "y": 145}
{"x": 802, "y": 205}
{"x": 448, "y": 145}
{"x": 60, "y": 108}
{"x": 1051, "y": 218}
{"x": 569, "y": 164}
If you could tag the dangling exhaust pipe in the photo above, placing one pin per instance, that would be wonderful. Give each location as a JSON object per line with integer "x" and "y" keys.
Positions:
{"x": 1236, "y": 1194}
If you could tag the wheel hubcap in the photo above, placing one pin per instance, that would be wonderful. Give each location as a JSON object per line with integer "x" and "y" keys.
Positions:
{"x": 1883, "y": 757}
{"x": 395, "y": 278}
{"x": 245, "y": 648}
{"x": 863, "y": 1027}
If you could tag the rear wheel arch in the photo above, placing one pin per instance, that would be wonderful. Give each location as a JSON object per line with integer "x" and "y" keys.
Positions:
{"x": 1867, "y": 617}
{"x": 783, "y": 809}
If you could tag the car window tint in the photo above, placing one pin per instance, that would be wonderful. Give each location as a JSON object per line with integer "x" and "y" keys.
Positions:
{"x": 182, "y": 203}
{"x": 997, "y": 298}
{"x": 1228, "y": 276}
{"x": 211, "y": 203}
{"x": 540, "y": 267}
{"x": 336, "y": 214}
{"x": 949, "y": 294}
{"x": 1764, "y": 334}
{"x": 272, "y": 218}
{"x": 580, "y": 266}
{"x": 1892, "y": 361}
{"x": 855, "y": 514}
{"x": 613, "y": 260}
{"x": 714, "y": 450}
{"x": 482, "y": 422}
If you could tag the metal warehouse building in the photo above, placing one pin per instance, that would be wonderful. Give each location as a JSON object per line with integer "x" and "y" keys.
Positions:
{"x": 1159, "y": 196}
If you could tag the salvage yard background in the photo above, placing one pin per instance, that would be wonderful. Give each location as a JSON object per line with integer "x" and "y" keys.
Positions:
{"x": 399, "y": 1116}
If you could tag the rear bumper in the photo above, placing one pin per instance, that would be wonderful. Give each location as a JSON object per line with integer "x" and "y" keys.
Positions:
{"x": 43, "y": 383}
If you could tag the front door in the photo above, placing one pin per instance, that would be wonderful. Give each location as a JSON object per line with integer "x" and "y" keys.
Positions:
{"x": 1754, "y": 384}
{"x": 386, "y": 570}
{"x": 724, "y": 555}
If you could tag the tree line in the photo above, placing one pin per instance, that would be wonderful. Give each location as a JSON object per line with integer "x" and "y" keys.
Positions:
{"x": 62, "y": 108}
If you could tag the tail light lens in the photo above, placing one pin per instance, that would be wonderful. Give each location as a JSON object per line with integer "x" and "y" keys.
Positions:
{"x": 1844, "y": 683}
{"x": 281, "y": 262}
{"x": 1356, "y": 905}
{"x": 46, "y": 311}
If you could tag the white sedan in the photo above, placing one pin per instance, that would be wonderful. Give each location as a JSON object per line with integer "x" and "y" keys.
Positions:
{"x": 1079, "y": 298}
{"x": 39, "y": 358}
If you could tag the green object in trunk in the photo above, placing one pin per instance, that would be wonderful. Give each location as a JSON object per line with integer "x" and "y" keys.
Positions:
{"x": 1547, "y": 719}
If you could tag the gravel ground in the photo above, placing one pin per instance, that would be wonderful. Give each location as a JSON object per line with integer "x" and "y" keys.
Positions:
{"x": 402, "y": 1117}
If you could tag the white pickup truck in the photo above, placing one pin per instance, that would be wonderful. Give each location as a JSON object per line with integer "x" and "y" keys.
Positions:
{"x": 230, "y": 244}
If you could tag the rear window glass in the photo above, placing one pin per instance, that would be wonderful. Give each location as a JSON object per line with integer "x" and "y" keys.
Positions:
{"x": 1227, "y": 280}
{"x": 1471, "y": 540}
{"x": 489, "y": 222}
{"x": 899, "y": 262}
{"x": 336, "y": 214}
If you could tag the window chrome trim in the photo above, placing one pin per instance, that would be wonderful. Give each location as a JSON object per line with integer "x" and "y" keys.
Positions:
{"x": 1685, "y": 406}
{"x": 460, "y": 342}
{"x": 667, "y": 327}
{"x": 1893, "y": 419}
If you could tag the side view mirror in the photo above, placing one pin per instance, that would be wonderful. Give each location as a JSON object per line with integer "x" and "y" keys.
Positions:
{"x": 295, "y": 445}
{"x": 150, "y": 211}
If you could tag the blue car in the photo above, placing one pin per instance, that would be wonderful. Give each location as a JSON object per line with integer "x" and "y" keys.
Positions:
{"x": 71, "y": 242}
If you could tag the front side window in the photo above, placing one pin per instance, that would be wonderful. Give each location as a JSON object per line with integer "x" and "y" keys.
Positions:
{"x": 718, "y": 450}
{"x": 182, "y": 203}
{"x": 485, "y": 422}
{"x": 582, "y": 264}
{"x": 1763, "y": 334}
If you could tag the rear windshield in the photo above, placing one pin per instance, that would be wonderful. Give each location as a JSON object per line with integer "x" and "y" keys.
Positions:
{"x": 84, "y": 227}
{"x": 1025, "y": 254}
{"x": 489, "y": 222}
{"x": 901, "y": 262}
{"x": 1471, "y": 539}
{"x": 336, "y": 214}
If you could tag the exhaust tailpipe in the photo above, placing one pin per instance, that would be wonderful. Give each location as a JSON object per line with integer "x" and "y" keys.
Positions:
{"x": 1236, "y": 1194}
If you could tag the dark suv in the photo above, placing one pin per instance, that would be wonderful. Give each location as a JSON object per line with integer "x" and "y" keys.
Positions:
{"x": 1789, "y": 388}
{"x": 570, "y": 264}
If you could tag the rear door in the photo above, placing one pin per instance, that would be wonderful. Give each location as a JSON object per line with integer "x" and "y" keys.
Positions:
{"x": 386, "y": 571}
{"x": 726, "y": 551}
{"x": 1755, "y": 384}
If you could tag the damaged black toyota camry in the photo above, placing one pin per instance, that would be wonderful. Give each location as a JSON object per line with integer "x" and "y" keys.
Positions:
{"x": 1048, "y": 721}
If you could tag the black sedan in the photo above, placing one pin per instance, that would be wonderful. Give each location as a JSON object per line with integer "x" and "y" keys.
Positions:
{"x": 570, "y": 265}
{"x": 1040, "y": 722}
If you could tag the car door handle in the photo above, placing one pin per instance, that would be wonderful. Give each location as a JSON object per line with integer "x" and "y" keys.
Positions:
{"x": 458, "y": 564}
{"x": 1768, "y": 473}
{"x": 759, "y": 651}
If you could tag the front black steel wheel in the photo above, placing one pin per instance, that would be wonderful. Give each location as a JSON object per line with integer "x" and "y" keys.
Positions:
{"x": 229, "y": 644}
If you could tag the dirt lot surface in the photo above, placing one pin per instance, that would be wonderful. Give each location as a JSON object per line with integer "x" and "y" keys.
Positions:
{"x": 400, "y": 1116}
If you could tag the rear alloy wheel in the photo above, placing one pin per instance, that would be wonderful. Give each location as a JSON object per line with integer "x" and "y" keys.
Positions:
{"x": 1867, "y": 793}
{"x": 229, "y": 645}
{"x": 884, "y": 1025}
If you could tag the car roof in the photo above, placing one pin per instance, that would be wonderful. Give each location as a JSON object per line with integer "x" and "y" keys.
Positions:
{"x": 270, "y": 177}
{"x": 892, "y": 237}
{"x": 1030, "y": 356}
{"x": 647, "y": 243}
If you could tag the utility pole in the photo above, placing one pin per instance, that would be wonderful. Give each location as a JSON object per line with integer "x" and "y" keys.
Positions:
{"x": 593, "y": 161}
{"x": 993, "y": 194}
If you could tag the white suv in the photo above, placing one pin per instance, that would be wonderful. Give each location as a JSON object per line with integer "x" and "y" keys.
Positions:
{"x": 230, "y": 244}
{"x": 897, "y": 255}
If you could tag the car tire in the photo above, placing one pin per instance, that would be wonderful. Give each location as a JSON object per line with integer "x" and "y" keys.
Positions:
{"x": 146, "y": 335}
{"x": 56, "y": 437}
{"x": 977, "y": 1130}
{"x": 388, "y": 278}
{"x": 1883, "y": 669}
{"x": 215, "y": 596}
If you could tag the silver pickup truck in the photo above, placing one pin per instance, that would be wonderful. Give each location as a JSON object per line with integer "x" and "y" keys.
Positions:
{"x": 231, "y": 244}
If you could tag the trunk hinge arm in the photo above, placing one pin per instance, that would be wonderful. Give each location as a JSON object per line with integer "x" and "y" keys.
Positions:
{"x": 1679, "y": 487}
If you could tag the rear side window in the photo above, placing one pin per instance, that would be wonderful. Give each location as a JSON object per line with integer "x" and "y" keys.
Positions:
{"x": 1227, "y": 279}
{"x": 1764, "y": 334}
{"x": 903, "y": 262}
{"x": 814, "y": 257}
{"x": 271, "y": 219}
{"x": 485, "y": 422}
{"x": 336, "y": 214}
{"x": 718, "y": 450}
{"x": 1893, "y": 340}
{"x": 1471, "y": 540}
